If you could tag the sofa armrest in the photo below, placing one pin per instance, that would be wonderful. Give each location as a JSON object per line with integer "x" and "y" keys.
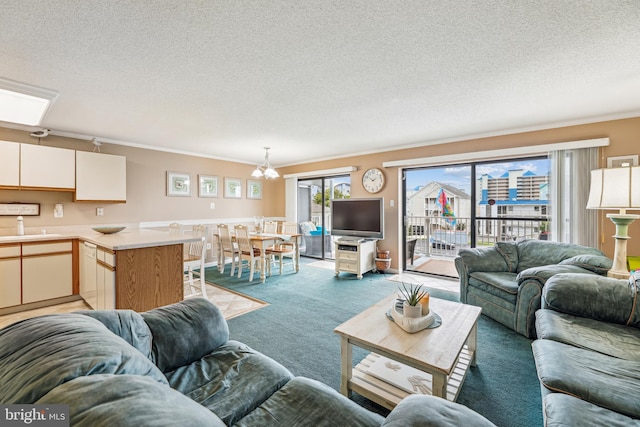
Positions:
{"x": 545, "y": 272}
{"x": 592, "y": 296}
{"x": 482, "y": 259}
{"x": 419, "y": 410}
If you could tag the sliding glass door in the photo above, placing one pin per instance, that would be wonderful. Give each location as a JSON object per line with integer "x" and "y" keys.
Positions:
{"x": 471, "y": 205}
{"x": 314, "y": 213}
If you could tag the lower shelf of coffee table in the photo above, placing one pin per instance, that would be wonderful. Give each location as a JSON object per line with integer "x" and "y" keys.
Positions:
{"x": 388, "y": 395}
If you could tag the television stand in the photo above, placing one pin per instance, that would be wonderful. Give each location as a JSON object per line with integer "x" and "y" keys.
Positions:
{"x": 355, "y": 256}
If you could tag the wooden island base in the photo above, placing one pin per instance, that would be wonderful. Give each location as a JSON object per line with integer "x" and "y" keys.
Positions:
{"x": 147, "y": 278}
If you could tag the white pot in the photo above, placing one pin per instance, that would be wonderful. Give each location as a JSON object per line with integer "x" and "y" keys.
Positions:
{"x": 412, "y": 311}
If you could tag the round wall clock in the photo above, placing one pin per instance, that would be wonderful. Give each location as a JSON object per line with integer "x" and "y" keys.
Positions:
{"x": 373, "y": 180}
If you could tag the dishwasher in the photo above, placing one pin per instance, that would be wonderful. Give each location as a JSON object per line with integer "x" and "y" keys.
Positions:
{"x": 88, "y": 274}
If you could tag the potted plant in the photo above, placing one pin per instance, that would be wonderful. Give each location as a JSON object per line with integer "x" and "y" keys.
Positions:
{"x": 412, "y": 295}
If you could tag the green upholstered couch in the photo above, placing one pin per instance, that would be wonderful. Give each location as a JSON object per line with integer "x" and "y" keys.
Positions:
{"x": 588, "y": 351}
{"x": 175, "y": 365}
{"x": 506, "y": 280}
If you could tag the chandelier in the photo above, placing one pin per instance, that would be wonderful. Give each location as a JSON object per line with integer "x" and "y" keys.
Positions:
{"x": 265, "y": 168}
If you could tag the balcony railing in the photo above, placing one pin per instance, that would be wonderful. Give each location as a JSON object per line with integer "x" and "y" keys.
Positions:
{"x": 439, "y": 236}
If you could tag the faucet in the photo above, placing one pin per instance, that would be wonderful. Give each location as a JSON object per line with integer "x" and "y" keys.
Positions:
{"x": 20, "y": 226}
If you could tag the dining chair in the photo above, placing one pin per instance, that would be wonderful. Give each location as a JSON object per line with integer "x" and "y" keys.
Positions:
{"x": 194, "y": 259}
{"x": 285, "y": 249}
{"x": 248, "y": 253}
{"x": 270, "y": 227}
{"x": 228, "y": 248}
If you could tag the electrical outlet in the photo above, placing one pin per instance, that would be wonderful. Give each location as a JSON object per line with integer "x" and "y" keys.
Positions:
{"x": 212, "y": 205}
{"x": 99, "y": 211}
{"x": 208, "y": 246}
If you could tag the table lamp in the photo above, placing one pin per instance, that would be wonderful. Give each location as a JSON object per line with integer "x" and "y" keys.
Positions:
{"x": 617, "y": 189}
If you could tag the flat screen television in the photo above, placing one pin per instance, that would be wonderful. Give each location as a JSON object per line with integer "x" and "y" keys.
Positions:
{"x": 358, "y": 218}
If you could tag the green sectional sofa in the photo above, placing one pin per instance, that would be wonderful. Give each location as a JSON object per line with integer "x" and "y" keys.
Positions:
{"x": 175, "y": 365}
{"x": 588, "y": 352}
{"x": 506, "y": 280}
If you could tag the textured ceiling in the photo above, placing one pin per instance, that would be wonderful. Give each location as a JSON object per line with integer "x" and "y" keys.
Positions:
{"x": 321, "y": 79}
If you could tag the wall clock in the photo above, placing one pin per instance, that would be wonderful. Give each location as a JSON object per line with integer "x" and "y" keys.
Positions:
{"x": 373, "y": 180}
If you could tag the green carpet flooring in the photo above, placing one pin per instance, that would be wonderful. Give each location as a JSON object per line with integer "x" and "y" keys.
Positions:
{"x": 296, "y": 329}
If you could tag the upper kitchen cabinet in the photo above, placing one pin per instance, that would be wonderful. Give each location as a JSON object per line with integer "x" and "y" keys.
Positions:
{"x": 101, "y": 177}
{"x": 10, "y": 164}
{"x": 47, "y": 168}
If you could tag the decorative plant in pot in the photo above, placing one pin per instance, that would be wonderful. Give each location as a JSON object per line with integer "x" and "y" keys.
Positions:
{"x": 412, "y": 305}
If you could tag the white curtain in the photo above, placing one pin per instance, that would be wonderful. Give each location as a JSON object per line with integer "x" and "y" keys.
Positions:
{"x": 571, "y": 222}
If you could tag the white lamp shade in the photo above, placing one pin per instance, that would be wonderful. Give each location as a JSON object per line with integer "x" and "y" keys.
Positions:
{"x": 615, "y": 188}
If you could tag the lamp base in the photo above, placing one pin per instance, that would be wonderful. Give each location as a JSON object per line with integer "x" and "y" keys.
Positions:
{"x": 622, "y": 222}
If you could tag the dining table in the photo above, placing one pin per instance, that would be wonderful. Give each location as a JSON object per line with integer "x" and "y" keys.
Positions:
{"x": 263, "y": 241}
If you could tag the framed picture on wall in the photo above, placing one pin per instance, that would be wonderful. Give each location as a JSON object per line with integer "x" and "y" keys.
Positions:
{"x": 178, "y": 184}
{"x": 233, "y": 188}
{"x": 208, "y": 186}
{"x": 620, "y": 161}
{"x": 254, "y": 189}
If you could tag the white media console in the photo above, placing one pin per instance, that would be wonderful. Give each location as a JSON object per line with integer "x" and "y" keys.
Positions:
{"x": 355, "y": 256}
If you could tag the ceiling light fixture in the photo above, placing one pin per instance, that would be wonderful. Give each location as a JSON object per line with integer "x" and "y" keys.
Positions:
{"x": 265, "y": 168}
{"x": 24, "y": 104}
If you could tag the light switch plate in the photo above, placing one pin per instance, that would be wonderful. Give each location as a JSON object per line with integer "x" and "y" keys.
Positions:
{"x": 99, "y": 211}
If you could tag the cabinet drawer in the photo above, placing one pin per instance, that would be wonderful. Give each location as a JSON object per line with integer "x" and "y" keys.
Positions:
{"x": 349, "y": 267}
{"x": 46, "y": 248}
{"x": 107, "y": 257}
{"x": 9, "y": 251}
{"x": 348, "y": 256}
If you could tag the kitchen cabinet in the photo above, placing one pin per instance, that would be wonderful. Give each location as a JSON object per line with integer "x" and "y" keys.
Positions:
{"x": 10, "y": 170}
{"x": 88, "y": 274}
{"x": 47, "y": 270}
{"x": 100, "y": 177}
{"x": 47, "y": 168}
{"x": 106, "y": 279}
{"x": 10, "y": 277}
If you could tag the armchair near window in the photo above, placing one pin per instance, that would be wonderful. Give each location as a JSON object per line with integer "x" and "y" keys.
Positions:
{"x": 506, "y": 280}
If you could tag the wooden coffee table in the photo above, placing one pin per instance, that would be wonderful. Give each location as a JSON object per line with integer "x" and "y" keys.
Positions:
{"x": 443, "y": 354}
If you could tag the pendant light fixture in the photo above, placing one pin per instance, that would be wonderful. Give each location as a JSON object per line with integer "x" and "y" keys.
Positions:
{"x": 265, "y": 168}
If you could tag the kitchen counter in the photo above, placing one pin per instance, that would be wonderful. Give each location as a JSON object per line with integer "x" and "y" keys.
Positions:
{"x": 136, "y": 269}
{"x": 125, "y": 239}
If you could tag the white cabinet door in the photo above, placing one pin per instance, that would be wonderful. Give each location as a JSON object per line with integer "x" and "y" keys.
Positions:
{"x": 47, "y": 271}
{"x": 9, "y": 164}
{"x": 101, "y": 177}
{"x": 10, "y": 276}
{"x": 47, "y": 167}
{"x": 106, "y": 283}
{"x": 88, "y": 274}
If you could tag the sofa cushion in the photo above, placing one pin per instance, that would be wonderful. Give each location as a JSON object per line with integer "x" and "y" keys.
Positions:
{"x": 127, "y": 324}
{"x": 231, "y": 381}
{"x": 500, "y": 284}
{"x": 482, "y": 259}
{"x": 598, "y": 264}
{"x": 306, "y": 402}
{"x": 532, "y": 253}
{"x": 597, "y": 378}
{"x": 509, "y": 252}
{"x": 418, "y": 410}
{"x": 127, "y": 400}
{"x": 561, "y": 410}
{"x": 40, "y": 353}
{"x": 185, "y": 331}
{"x": 607, "y": 338}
